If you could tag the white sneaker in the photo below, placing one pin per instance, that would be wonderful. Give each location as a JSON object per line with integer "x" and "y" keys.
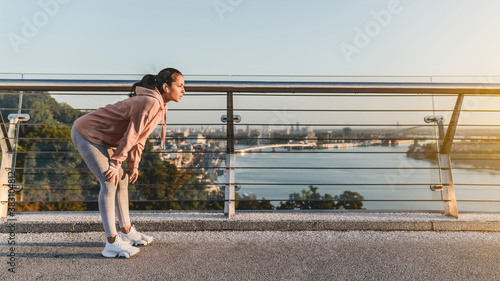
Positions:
{"x": 119, "y": 249}
{"x": 136, "y": 238}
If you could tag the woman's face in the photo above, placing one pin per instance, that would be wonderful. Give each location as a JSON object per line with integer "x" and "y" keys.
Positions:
{"x": 174, "y": 92}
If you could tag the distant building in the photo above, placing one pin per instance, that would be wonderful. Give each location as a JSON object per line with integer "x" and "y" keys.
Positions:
{"x": 201, "y": 139}
{"x": 311, "y": 136}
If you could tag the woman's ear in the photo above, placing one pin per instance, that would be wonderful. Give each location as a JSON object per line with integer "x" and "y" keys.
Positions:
{"x": 165, "y": 87}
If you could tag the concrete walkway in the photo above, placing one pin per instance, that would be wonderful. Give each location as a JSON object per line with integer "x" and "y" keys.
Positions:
{"x": 263, "y": 255}
{"x": 288, "y": 245}
{"x": 26, "y": 222}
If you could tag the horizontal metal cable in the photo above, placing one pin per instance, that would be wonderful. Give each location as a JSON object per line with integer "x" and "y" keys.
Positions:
{"x": 483, "y": 141}
{"x": 272, "y": 167}
{"x": 317, "y": 151}
{"x": 480, "y": 201}
{"x": 327, "y": 184}
{"x": 276, "y": 125}
{"x": 477, "y": 184}
{"x": 89, "y": 173}
{"x": 356, "y": 125}
{"x": 475, "y": 159}
{"x": 259, "y": 168}
{"x": 363, "y": 110}
{"x": 130, "y": 184}
{"x": 134, "y": 201}
{"x": 74, "y": 151}
{"x": 56, "y": 93}
{"x": 272, "y": 200}
{"x": 278, "y": 184}
{"x": 476, "y": 168}
{"x": 50, "y": 188}
{"x": 92, "y": 109}
{"x": 329, "y": 168}
{"x": 84, "y": 169}
{"x": 345, "y": 200}
{"x": 364, "y": 95}
{"x": 410, "y": 95}
{"x": 253, "y": 152}
{"x": 257, "y": 200}
{"x": 275, "y": 139}
{"x": 275, "y": 110}
{"x": 223, "y": 152}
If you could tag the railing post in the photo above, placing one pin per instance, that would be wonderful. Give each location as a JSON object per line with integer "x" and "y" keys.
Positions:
{"x": 450, "y": 201}
{"x": 6, "y": 142}
{"x": 8, "y": 152}
{"x": 229, "y": 192}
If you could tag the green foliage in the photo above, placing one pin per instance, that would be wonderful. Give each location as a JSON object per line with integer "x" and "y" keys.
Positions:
{"x": 350, "y": 200}
{"x": 252, "y": 203}
{"x": 164, "y": 187}
{"x": 426, "y": 151}
{"x": 309, "y": 199}
{"x": 48, "y": 156}
{"x": 312, "y": 199}
{"x": 467, "y": 152}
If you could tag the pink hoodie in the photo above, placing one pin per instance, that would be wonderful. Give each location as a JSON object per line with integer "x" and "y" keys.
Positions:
{"x": 125, "y": 125}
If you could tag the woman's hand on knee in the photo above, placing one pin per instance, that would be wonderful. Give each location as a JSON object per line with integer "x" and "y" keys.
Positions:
{"x": 133, "y": 175}
{"x": 112, "y": 174}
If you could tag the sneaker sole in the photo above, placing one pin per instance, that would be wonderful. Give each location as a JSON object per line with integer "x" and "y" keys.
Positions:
{"x": 121, "y": 255}
{"x": 140, "y": 243}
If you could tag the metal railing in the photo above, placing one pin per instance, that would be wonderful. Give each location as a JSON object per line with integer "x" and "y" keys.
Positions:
{"x": 240, "y": 141}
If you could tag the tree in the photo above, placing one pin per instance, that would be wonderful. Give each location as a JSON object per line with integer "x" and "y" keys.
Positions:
{"x": 252, "y": 203}
{"x": 309, "y": 199}
{"x": 312, "y": 199}
{"x": 350, "y": 200}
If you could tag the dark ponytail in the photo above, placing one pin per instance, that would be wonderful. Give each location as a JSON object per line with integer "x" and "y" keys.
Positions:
{"x": 149, "y": 81}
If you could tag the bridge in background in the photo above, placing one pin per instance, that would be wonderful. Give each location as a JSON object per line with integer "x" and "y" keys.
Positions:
{"x": 274, "y": 146}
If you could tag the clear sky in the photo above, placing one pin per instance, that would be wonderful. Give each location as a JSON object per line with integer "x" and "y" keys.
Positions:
{"x": 426, "y": 37}
{"x": 248, "y": 37}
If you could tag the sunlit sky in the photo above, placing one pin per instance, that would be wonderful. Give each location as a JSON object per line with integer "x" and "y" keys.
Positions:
{"x": 429, "y": 37}
{"x": 250, "y": 37}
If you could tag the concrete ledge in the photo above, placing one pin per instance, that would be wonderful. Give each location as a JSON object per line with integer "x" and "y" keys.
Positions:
{"x": 467, "y": 226}
{"x": 257, "y": 221}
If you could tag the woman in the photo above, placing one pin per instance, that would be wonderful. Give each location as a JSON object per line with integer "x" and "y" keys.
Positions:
{"x": 106, "y": 136}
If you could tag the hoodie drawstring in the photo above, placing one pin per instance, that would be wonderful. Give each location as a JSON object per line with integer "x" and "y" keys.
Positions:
{"x": 163, "y": 127}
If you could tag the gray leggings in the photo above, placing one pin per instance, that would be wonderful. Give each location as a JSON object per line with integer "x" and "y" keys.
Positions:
{"x": 97, "y": 159}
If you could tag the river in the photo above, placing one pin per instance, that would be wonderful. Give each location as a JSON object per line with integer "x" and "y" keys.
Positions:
{"x": 394, "y": 184}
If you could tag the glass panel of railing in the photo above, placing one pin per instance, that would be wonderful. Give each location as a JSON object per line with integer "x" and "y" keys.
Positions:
{"x": 335, "y": 147}
{"x": 184, "y": 175}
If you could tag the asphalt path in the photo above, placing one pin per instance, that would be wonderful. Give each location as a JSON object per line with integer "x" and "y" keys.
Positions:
{"x": 267, "y": 255}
